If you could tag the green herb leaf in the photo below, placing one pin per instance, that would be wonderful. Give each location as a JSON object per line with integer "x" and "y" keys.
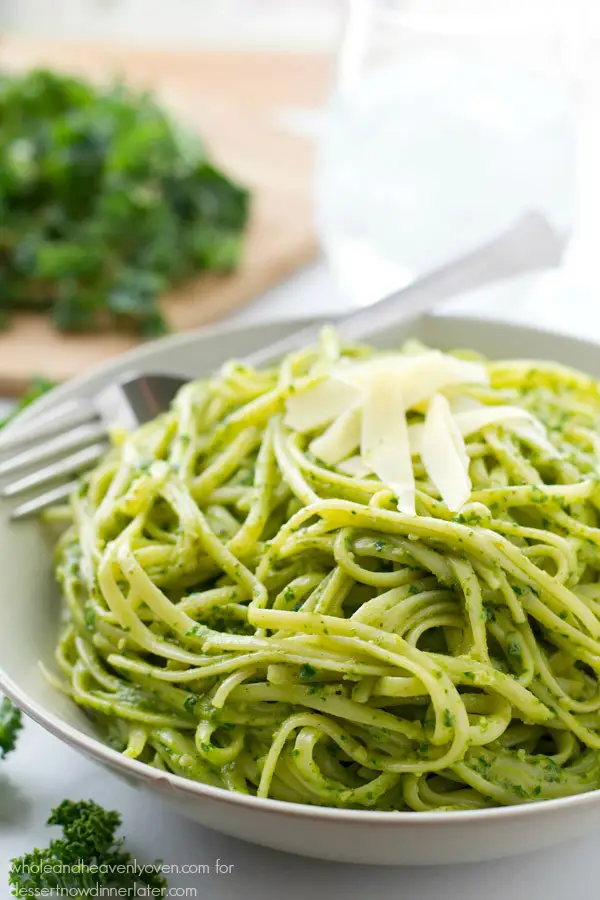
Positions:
{"x": 104, "y": 204}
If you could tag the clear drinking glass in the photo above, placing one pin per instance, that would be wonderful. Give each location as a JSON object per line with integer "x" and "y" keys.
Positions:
{"x": 449, "y": 119}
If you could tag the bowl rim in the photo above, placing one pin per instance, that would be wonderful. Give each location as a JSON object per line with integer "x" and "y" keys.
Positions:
{"x": 176, "y": 784}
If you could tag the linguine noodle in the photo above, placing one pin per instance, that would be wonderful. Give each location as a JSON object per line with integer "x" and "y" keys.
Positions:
{"x": 241, "y": 614}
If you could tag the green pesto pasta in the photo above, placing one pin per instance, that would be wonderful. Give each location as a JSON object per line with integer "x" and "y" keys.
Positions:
{"x": 241, "y": 614}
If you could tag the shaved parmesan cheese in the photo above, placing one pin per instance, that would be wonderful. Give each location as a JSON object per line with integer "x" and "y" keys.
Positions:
{"x": 444, "y": 455}
{"x": 513, "y": 418}
{"x": 354, "y": 466}
{"x": 462, "y": 402}
{"x": 359, "y": 374}
{"x": 475, "y": 418}
{"x": 341, "y": 438}
{"x": 428, "y": 376}
{"x": 415, "y": 438}
{"x": 472, "y": 420}
{"x": 319, "y": 404}
{"x": 418, "y": 377}
{"x": 362, "y": 407}
{"x": 384, "y": 438}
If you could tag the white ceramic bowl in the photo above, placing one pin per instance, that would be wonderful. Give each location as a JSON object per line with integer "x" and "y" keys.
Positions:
{"x": 29, "y": 604}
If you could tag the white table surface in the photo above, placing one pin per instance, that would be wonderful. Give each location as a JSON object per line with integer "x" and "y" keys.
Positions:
{"x": 43, "y": 771}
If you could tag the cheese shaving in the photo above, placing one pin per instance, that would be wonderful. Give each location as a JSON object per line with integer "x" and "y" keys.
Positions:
{"x": 444, "y": 455}
{"x": 355, "y": 466}
{"x": 418, "y": 377}
{"x": 384, "y": 444}
{"x": 318, "y": 405}
{"x": 472, "y": 420}
{"x": 341, "y": 438}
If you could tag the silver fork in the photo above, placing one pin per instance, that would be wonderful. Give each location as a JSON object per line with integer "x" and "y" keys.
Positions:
{"x": 71, "y": 437}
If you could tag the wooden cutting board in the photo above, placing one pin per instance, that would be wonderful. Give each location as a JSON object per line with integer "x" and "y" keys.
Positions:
{"x": 235, "y": 101}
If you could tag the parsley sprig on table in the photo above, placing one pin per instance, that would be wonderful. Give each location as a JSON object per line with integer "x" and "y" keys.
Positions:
{"x": 104, "y": 203}
{"x": 88, "y": 856}
{"x": 10, "y": 725}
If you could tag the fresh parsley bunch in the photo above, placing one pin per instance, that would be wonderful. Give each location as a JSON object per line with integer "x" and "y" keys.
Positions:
{"x": 87, "y": 857}
{"x": 104, "y": 203}
{"x": 10, "y": 725}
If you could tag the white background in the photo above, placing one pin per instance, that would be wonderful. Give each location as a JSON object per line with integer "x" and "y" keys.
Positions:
{"x": 43, "y": 771}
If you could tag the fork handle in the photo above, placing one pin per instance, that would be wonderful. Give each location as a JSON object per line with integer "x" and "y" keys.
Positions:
{"x": 531, "y": 243}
